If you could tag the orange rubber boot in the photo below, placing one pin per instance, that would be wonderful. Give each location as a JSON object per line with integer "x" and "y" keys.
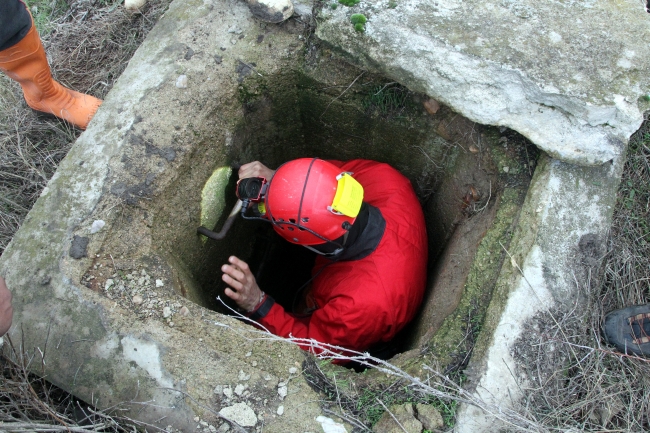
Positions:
{"x": 26, "y": 63}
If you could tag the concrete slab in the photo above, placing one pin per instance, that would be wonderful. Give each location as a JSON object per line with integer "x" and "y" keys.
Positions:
{"x": 564, "y": 74}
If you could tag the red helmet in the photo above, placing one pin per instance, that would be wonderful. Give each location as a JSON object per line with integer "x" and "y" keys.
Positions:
{"x": 311, "y": 201}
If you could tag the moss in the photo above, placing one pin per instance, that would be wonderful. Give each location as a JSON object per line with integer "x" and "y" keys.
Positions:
{"x": 213, "y": 202}
{"x": 469, "y": 316}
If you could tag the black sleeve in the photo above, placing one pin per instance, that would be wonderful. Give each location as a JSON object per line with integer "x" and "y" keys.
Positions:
{"x": 15, "y": 22}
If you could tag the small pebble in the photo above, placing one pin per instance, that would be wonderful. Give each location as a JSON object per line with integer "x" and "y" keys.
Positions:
{"x": 184, "y": 311}
{"x": 97, "y": 226}
{"x": 227, "y": 391}
{"x": 293, "y": 370}
{"x": 159, "y": 283}
{"x": 239, "y": 389}
{"x": 506, "y": 169}
{"x": 137, "y": 300}
{"x": 432, "y": 106}
{"x": 243, "y": 376}
{"x": 167, "y": 312}
{"x": 109, "y": 283}
{"x": 280, "y": 410}
{"x": 282, "y": 392}
{"x": 181, "y": 81}
{"x": 197, "y": 419}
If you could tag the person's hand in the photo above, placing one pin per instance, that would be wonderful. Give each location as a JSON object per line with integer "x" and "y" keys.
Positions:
{"x": 6, "y": 310}
{"x": 255, "y": 169}
{"x": 243, "y": 287}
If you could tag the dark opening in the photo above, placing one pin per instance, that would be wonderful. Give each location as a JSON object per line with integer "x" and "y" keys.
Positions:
{"x": 296, "y": 116}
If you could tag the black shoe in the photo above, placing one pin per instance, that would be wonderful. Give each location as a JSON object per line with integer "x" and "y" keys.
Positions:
{"x": 629, "y": 329}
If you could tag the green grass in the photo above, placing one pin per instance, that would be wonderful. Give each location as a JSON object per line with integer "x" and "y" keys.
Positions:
{"x": 46, "y": 12}
{"x": 388, "y": 101}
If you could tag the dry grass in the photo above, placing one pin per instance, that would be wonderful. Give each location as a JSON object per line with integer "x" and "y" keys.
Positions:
{"x": 577, "y": 381}
{"x": 89, "y": 44}
{"x": 29, "y": 403}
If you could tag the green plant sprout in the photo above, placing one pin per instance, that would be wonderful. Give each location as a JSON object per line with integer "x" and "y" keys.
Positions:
{"x": 392, "y": 4}
{"x": 349, "y": 3}
{"x": 334, "y": 5}
{"x": 359, "y": 21}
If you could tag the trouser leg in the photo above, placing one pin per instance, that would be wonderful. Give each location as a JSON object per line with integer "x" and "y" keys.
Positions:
{"x": 15, "y": 22}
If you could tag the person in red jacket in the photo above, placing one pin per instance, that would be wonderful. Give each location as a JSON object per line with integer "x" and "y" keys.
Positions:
{"x": 364, "y": 220}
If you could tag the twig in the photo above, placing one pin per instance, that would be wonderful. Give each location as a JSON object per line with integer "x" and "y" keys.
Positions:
{"x": 250, "y": 66}
{"x": 342, "y": 93}
{"x": 488, "y": 200}
{"x": 392, "y": 416}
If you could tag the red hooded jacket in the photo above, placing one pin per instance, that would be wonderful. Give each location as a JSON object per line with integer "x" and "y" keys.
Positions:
{"x": 366, "y": 301}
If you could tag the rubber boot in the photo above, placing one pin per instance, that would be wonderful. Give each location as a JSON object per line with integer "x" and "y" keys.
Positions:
{"x": 26, "y": 63}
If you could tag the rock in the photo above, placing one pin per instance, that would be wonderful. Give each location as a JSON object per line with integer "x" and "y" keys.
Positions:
{"x": 79, "y": 247}
{"x": 134, "y": 5}
{"x": 271, "y": 11}
{"x": 159, "y": 283}
{"x": 243, "y": 376}
{"x": 293, "y": 370}
{"x": 181, "y": 81}
{"x": 331, "y": 426}
{"x": 241, "y": 413}
{"x": 429, "y": 416}
{"x": 239, "y": 389}
{"x": 227, "y": 391}
{"x": 97, "y": 226}
{"x": 137, "y": 299}
{"x": 282, "y": 391}
{"x": 108, "y": 284}
{"x": 577, "y": 99}
{"x": 184, "y": 311}
{"x": 404, "y": 414}
{"x": 167, "y": 312}
{"x": 432, "y": 106}
{"x": 280, "y": 410}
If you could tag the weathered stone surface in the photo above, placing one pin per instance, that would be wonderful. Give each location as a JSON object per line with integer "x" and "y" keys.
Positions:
{"x": 564, "y": 203}
{"x": 241, "y": 413}
{"x": 398, "y": 419}
{"x": 567, "y": 75}
{"x": 429, "y": 416}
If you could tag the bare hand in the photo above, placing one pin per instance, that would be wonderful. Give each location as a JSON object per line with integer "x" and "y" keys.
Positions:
{"x": 255, "y": 169}
{"x": 6, "y": 310}
{"x": 243, "y": 287}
